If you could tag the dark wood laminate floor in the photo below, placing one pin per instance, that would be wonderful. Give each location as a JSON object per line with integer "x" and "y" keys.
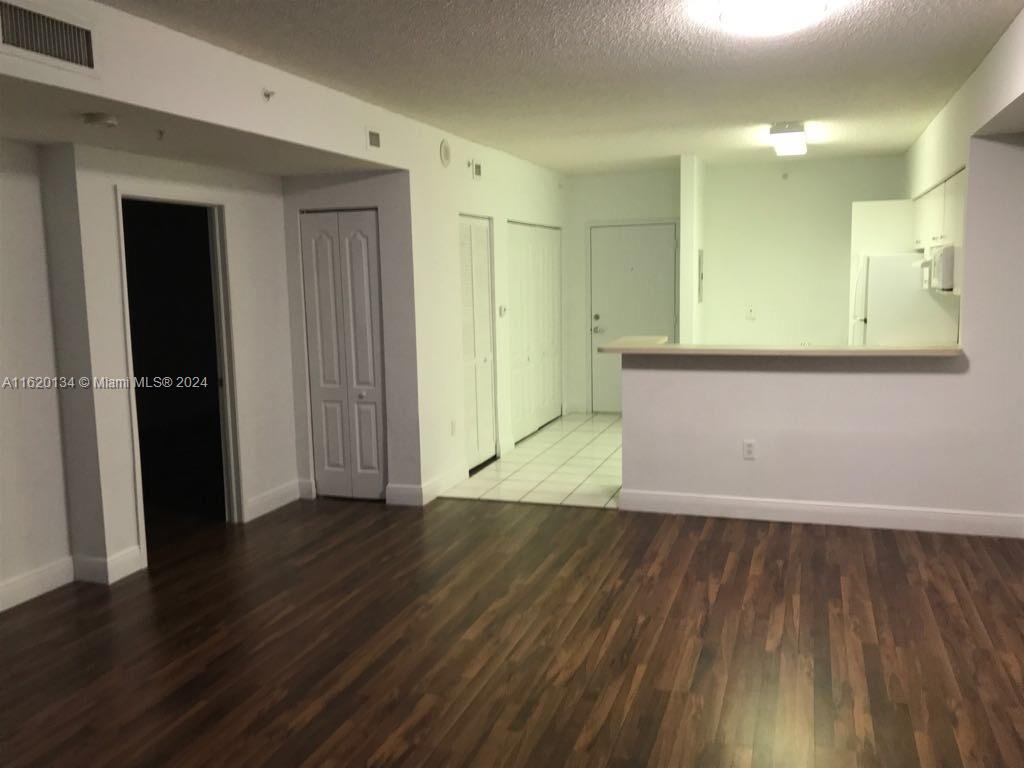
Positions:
{"x": 489, "y": 634}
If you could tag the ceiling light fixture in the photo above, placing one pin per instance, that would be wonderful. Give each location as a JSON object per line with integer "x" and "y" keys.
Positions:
{"x": 762, "y": 18}
{"x": 789, "y": 139}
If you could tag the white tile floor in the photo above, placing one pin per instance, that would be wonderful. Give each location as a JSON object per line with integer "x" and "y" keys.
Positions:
{"x": 575, "y": 461}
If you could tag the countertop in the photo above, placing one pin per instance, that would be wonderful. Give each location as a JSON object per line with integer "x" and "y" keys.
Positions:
{"x": 657, "y": 345}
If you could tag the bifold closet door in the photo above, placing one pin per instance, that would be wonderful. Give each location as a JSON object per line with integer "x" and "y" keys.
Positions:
{"x": 536, "y": 305}
{"x": 478, "y": 338}
{"x": 341, "y": 278}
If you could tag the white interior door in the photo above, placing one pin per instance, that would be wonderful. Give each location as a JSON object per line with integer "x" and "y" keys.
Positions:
{"x": 536, "y": 326}
{"x": 522, "y": 263}
{"x": 478, "y": 339}
{"x": 634, "y": 292}
{"x": 341, "y": 278}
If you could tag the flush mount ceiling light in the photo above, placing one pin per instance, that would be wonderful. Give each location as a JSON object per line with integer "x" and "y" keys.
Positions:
{"x": 762, "y": 18}
{"x": 789, "y": 139}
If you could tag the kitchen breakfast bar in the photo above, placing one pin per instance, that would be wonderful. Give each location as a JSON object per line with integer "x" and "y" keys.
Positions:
{"x": 847, "y": 435}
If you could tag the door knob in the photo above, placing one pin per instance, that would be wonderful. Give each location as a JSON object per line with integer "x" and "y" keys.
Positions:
{"x": 598, "y": 329}
{"x": 361, "y": 395}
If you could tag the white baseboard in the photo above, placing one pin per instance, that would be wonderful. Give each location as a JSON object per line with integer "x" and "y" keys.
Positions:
{"x": 400, "y": 495}
{"x": 125, "y": 563}
{"x": 826, "y": 513}
{"x": 306, "y": 489}
{"x": 107, "y": 570}
{"x": 91, "y": 569}
{"x": 268, "y": 501}
{"x": 25, "y": 586}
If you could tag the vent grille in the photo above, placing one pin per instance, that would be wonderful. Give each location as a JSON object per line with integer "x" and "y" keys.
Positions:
{"x": 31, "y": 31}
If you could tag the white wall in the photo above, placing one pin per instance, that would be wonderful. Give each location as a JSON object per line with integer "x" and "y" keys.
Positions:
{"x": 34, "y": 550}
{"x": 904, "y": 443}
{"x": 777, "y": 240}
{"x": 87, "y": 525}
{"x": 151, "y": 66}
{"x": 635, "y": 196}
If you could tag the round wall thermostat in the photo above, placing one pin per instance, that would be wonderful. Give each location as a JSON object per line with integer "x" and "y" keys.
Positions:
{"x": 445, "y": 152}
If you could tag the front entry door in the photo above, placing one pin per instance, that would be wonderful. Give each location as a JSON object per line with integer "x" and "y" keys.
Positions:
{"x": 341, "y": 279}
{"x": 633, "y": 293}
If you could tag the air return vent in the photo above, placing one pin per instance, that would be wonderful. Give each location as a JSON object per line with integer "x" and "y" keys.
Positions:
{"x": 31, "y": 31}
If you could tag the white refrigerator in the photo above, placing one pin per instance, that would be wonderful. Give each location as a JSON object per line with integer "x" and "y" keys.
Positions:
{"x": 892, "y": 309}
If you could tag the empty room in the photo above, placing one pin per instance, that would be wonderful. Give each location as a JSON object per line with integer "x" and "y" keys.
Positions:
{"x": 540, "y": 383}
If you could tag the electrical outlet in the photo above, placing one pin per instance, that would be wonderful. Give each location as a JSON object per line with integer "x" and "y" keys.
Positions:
{"x": 749, "y": 450}
{"x": 751, "y": 315}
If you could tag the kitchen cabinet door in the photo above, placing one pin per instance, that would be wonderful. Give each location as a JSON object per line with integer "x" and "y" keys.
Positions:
{"x": 929, "y": 215}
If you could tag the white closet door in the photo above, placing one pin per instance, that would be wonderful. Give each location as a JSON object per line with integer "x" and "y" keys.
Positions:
{"x": 536, "y": 300}
{"x": 328, "y": 380}
{"x": 478, "y": 339}
{"x": 341, "y": 277}
{"x": 366, "y": 366}
{"x": 549, "y": 337}
{"x": 520, "y": 311}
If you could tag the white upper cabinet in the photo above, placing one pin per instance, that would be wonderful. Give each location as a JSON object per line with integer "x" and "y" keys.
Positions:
{"x": 954, "y": 204}
{"x": 929, "y": 215}
{"x": 939, "y": 220}
{"x": 939, "y": 214}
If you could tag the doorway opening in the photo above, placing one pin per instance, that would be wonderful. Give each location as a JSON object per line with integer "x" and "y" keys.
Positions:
{"x": 174, "y": 288}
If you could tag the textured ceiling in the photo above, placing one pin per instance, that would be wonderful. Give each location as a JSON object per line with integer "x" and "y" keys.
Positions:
{"x": 587, "y": 84}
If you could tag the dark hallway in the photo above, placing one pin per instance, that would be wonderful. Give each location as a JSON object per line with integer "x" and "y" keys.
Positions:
{"x": 174, "y": 348}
